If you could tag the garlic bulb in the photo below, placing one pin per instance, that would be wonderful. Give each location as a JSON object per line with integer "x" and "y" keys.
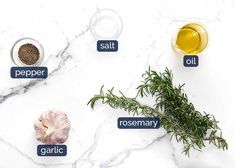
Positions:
{"x": 52, "y": 127}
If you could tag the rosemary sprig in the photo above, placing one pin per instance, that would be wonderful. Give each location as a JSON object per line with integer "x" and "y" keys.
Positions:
{"x": 178, "y": 116}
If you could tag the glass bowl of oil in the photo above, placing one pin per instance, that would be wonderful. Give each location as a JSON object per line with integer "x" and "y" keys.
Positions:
{"x": 190, "y": 39}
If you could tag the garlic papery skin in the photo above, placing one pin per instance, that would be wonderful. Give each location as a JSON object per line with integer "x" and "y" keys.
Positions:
{"x": 52, "y": 127}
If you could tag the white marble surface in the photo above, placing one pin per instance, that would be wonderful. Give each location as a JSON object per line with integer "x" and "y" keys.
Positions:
{"x": 77, "y": 71}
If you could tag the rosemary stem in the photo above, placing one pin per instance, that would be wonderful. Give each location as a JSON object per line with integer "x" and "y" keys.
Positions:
{"x": 177, "y": 114}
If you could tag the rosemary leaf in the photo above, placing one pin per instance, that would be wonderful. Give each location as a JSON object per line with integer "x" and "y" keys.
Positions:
{"x": 178, "y": 116}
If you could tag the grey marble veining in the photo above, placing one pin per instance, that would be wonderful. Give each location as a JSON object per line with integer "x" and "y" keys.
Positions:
{"x": 77, "y": 71}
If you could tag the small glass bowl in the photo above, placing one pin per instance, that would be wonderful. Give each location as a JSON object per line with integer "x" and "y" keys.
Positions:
{"x": 18, "y": 44}
{"x": 106, "y": 24}
{"x": 203, "y": 33}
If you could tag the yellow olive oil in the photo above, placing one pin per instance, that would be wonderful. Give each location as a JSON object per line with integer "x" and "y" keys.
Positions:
{"x": 191, "y": 39}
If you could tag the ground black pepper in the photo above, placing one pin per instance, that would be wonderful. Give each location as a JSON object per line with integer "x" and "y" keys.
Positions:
{"x": 28, "y": 54}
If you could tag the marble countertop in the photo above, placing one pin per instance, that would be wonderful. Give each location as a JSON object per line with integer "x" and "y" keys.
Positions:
{"x": 77, "y": 71}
